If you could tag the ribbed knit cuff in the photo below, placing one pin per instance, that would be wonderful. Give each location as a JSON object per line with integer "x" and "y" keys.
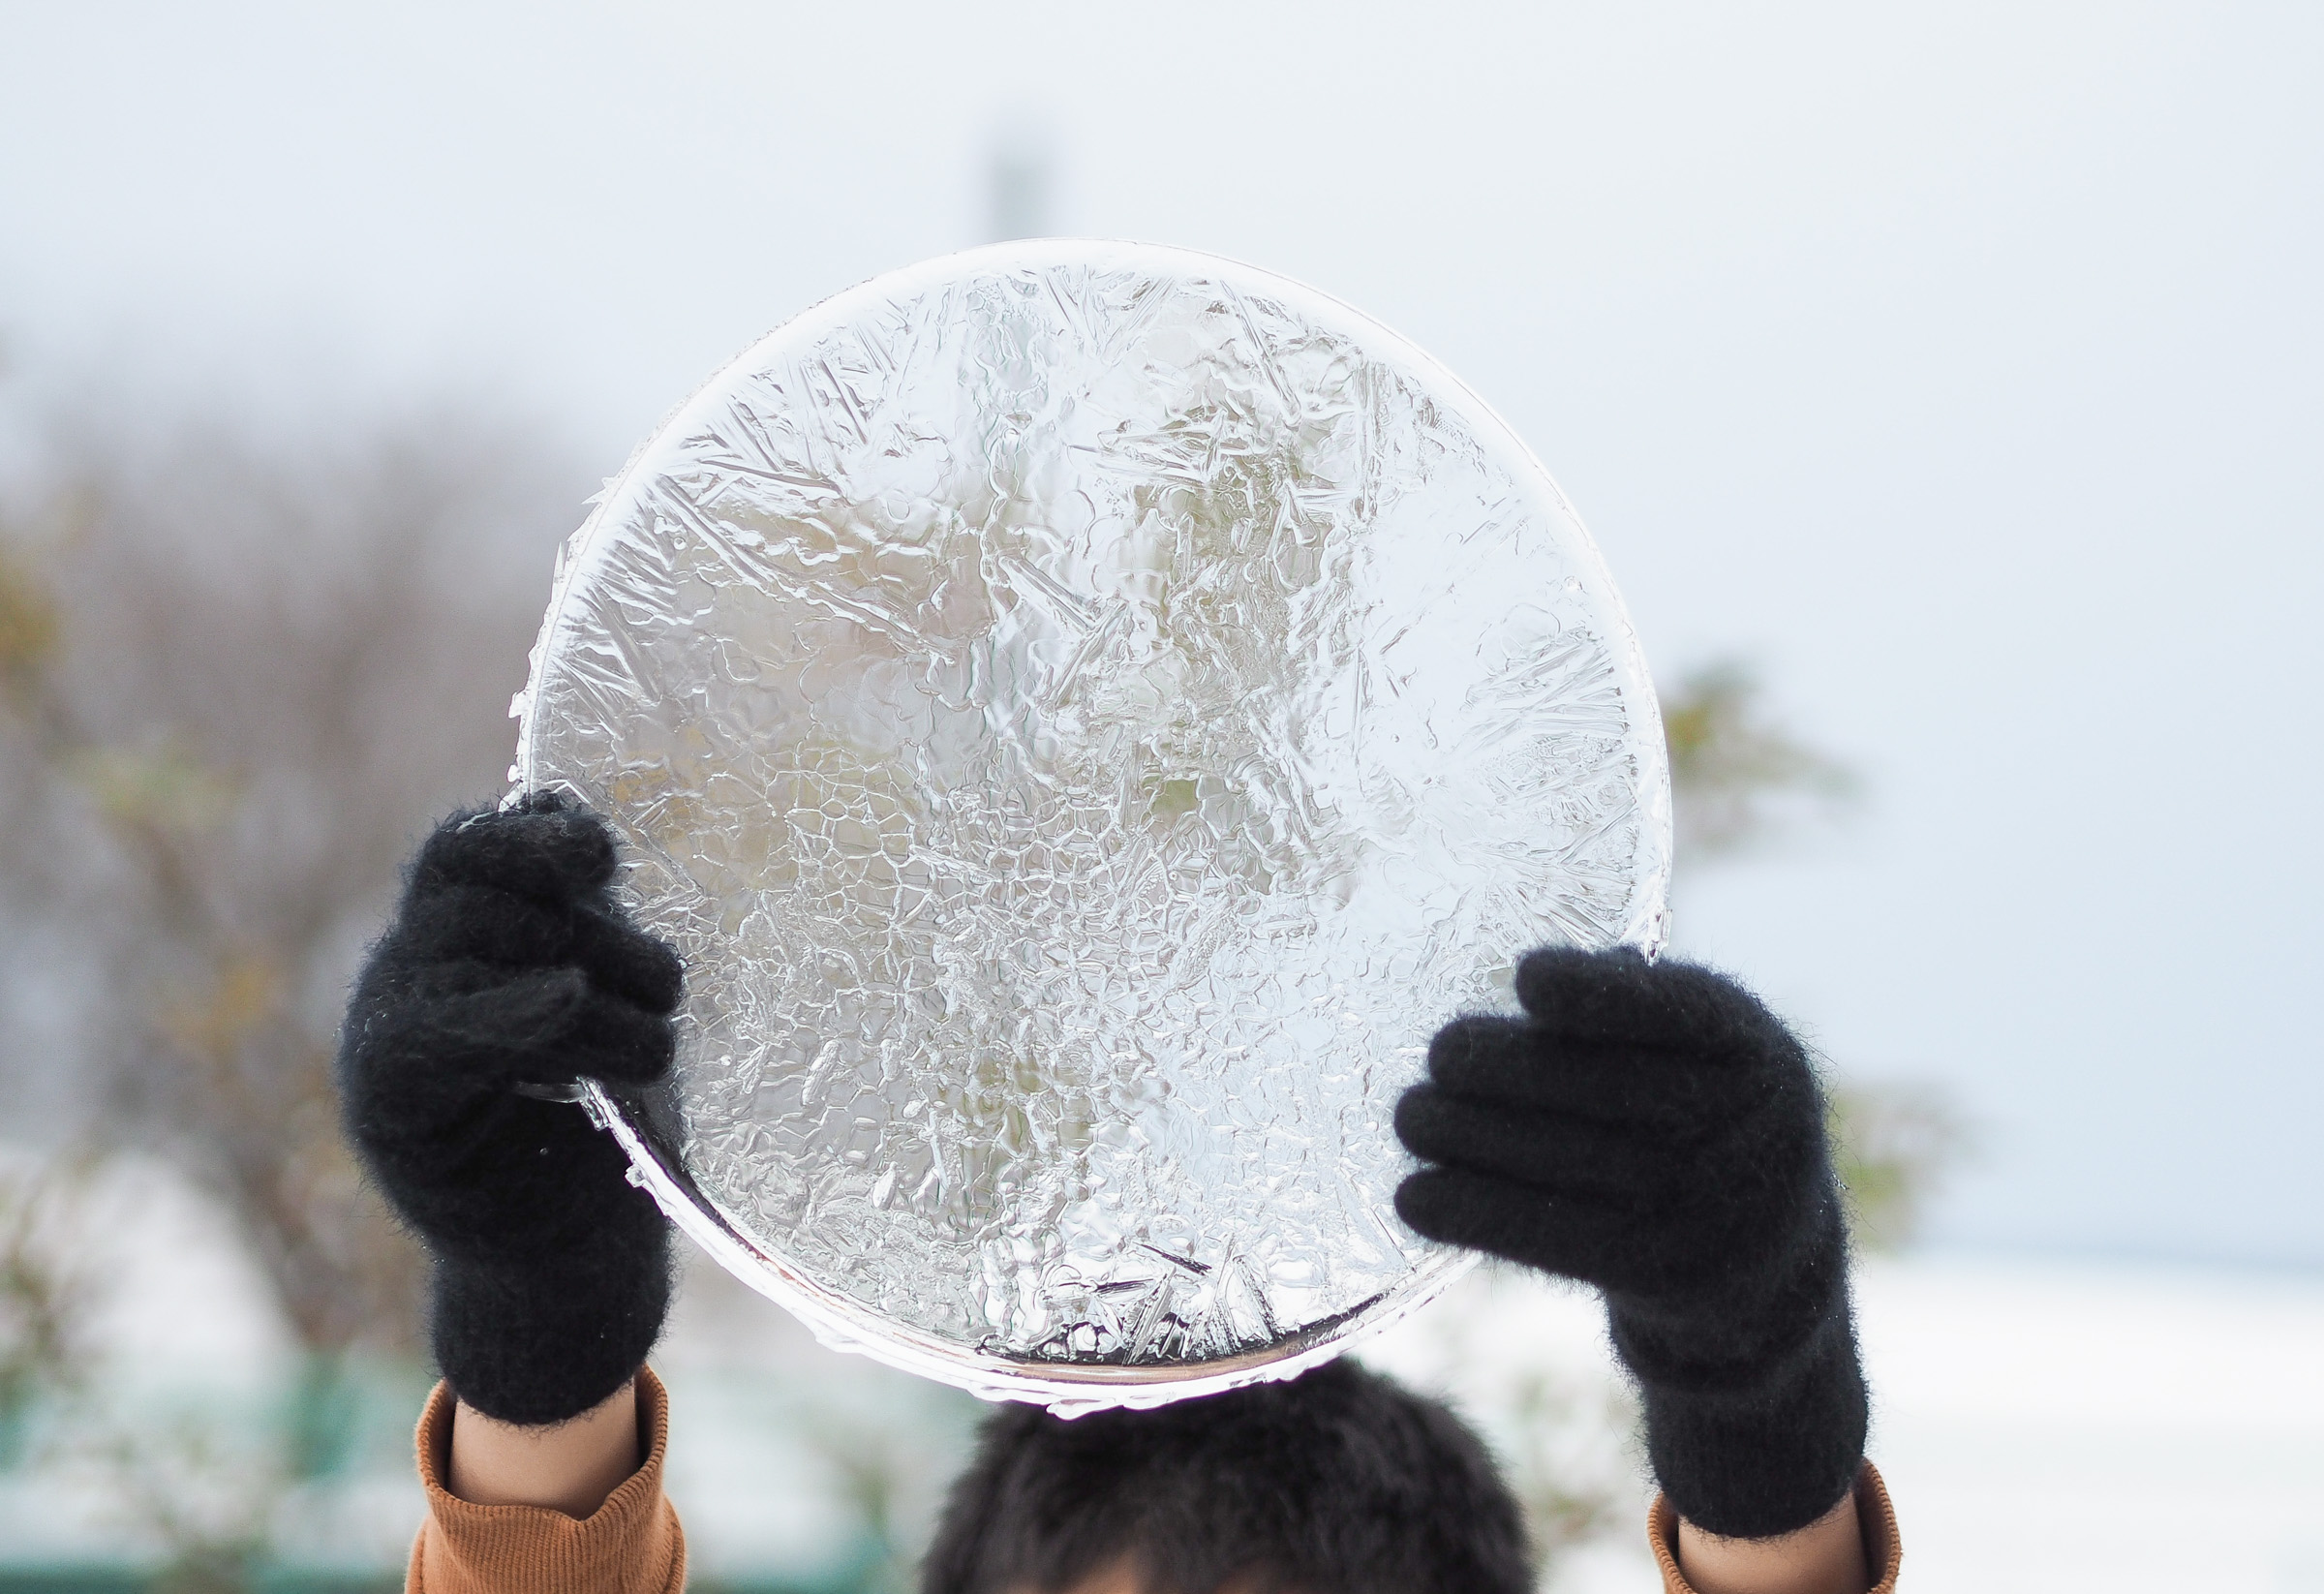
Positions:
{"x": 541, "y": 1343}
{"x": 1767, "y": 1460}
{"x": 1754, "y": 1401}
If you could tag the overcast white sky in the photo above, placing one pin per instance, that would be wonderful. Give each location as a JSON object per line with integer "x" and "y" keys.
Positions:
{"x": 1961, "y": 364}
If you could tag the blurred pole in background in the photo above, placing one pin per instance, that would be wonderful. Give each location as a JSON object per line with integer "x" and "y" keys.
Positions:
{"x": 1019, "y": 180}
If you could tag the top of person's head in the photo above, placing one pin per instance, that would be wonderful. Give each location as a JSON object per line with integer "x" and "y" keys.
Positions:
{"x": 1338, "y": 1482}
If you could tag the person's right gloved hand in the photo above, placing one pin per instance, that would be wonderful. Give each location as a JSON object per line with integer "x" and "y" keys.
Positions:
{"x": 509, "y": 962}
{"x": 1654, "y": 1130}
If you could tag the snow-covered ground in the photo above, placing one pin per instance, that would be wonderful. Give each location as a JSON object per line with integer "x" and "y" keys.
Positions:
{"x": 2043, "y": 1424}
{"x": 2080, "y": 1425}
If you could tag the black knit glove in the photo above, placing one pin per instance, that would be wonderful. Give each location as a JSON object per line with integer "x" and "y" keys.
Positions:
{"x": 508, "y": 963}
{"x": 1653, "y": 1130}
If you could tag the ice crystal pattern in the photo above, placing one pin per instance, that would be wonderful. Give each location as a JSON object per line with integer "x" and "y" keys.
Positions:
{"x": 1087, "y": 714}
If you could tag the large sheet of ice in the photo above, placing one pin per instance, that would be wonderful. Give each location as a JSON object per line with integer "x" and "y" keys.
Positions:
{"x": 1087, "y": 712}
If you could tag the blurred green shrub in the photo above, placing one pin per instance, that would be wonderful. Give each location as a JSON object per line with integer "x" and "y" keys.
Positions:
{"x": 1738, "y": 779}
{"x": 1893, "y": 1143}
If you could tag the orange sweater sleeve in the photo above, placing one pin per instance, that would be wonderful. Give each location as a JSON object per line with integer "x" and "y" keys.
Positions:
{"x": 631, "y": 1544}
{"x": 1877, "y": 1516}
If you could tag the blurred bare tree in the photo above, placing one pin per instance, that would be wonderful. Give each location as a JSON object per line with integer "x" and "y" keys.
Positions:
{"x": 44, "y": 1295}
{"x": 241, "y": 672}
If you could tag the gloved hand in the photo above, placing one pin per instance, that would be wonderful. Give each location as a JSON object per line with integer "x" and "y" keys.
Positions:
{"x": 1653, "y": 1130}
{"x": 509, "y": 962}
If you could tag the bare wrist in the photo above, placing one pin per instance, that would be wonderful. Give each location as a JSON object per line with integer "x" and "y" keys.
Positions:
{"x": 570, "y": 1466}
{"x": 1824, "y": 1557}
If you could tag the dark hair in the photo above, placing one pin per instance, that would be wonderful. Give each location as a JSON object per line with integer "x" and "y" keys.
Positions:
{"x": 1335, "y": 1482}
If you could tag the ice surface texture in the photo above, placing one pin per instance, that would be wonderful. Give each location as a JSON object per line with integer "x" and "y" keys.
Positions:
{"x": 1087, "y": 712}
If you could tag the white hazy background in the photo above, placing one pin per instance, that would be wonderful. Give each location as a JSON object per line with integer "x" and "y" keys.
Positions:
{"x": 1961, "y": 364}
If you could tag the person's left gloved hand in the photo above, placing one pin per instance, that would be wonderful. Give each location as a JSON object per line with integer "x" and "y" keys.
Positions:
{"x": 510, "y": 965}
{"x": 1653, "y": 1130}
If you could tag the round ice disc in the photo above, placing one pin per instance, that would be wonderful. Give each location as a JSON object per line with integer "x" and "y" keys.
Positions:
{"x": 1087, "y": 712}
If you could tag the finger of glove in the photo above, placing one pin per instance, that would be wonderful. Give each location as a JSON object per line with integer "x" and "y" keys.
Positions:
{"x": 1617, "y": 995}
{"x": 625, "y": 961}
{"x": 1576, "y": 1236}
{"x": 603, "y": 1037}
{"x": 481, "y": 924}
{"x": 459, "y": 923}
{"x": 423, "y": 1050}
{"x": 1515, "y": 1061}
{"x": 553, "y": 855}
{"x": 542, "y": 1027}
{"x": 1547, "y": 1150}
